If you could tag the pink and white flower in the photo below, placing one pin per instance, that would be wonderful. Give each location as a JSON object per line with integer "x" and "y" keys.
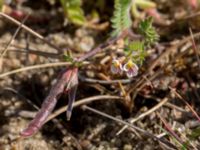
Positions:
{"x": 131, "y": 69}
{"x": 116, "y": 67}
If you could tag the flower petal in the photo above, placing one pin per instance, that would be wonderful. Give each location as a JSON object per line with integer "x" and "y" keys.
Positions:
{"x": 125, "y": 67}
{"x": 131, "y": 69}
{"x": 116, "y": 67}
{"x": 131, "y": 73}
{"x": 114, "y": 70}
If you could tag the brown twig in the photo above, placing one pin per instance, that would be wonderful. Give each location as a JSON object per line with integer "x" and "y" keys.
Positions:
{"x": 35, "y": 52}
{"x": 82, "y": 102}
{"x": 90, "y": 80}
{"x": 102, "y": 46}
{"x": 34, "y": 67}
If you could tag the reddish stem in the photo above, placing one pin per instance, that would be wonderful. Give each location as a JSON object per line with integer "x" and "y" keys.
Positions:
{"x": 48, "y": 104}
{"x": 102, "y": 46}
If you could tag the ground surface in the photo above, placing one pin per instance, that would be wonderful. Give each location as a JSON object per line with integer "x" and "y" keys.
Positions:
{"x": 171, "y": 63}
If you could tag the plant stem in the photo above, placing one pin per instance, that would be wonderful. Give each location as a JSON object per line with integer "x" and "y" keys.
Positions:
{"x": 110, "y": 41}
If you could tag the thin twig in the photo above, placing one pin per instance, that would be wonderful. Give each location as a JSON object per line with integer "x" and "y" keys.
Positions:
{"x": 82, "y": 102}
{"x": 90, "y": 80}
{"x": 34, "y": 67}
{"x": 21, "y": 96}
{"x": 16, "y": 48}
{"x": 35, "y": 52}
{"x": 102, "y": 46}
{"x": 20, "y": 49}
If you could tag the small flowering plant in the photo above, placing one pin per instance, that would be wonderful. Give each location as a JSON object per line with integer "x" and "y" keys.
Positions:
{"x": 135, "y": 51}
{"x": 134, "y": 55}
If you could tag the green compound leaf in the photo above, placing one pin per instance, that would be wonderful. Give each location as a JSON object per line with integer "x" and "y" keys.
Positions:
{"x": 136, "y": 46}
{"x": 73, "y": 11}
{"x": 121, "y": 17}
{"x": 148, "y": 31}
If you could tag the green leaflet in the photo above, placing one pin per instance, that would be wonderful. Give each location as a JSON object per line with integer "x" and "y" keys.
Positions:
{"x": 135, "y": 50}
{"x": 73, "y": 11}
{"x": 148, "y": 31}
{"x": 121, "y": 17}
{"x": 136, "y": 46}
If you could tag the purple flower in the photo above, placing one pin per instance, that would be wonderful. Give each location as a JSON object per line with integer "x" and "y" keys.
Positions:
{"x": 131, "y": 69}
{"x": 116, "y": 67}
